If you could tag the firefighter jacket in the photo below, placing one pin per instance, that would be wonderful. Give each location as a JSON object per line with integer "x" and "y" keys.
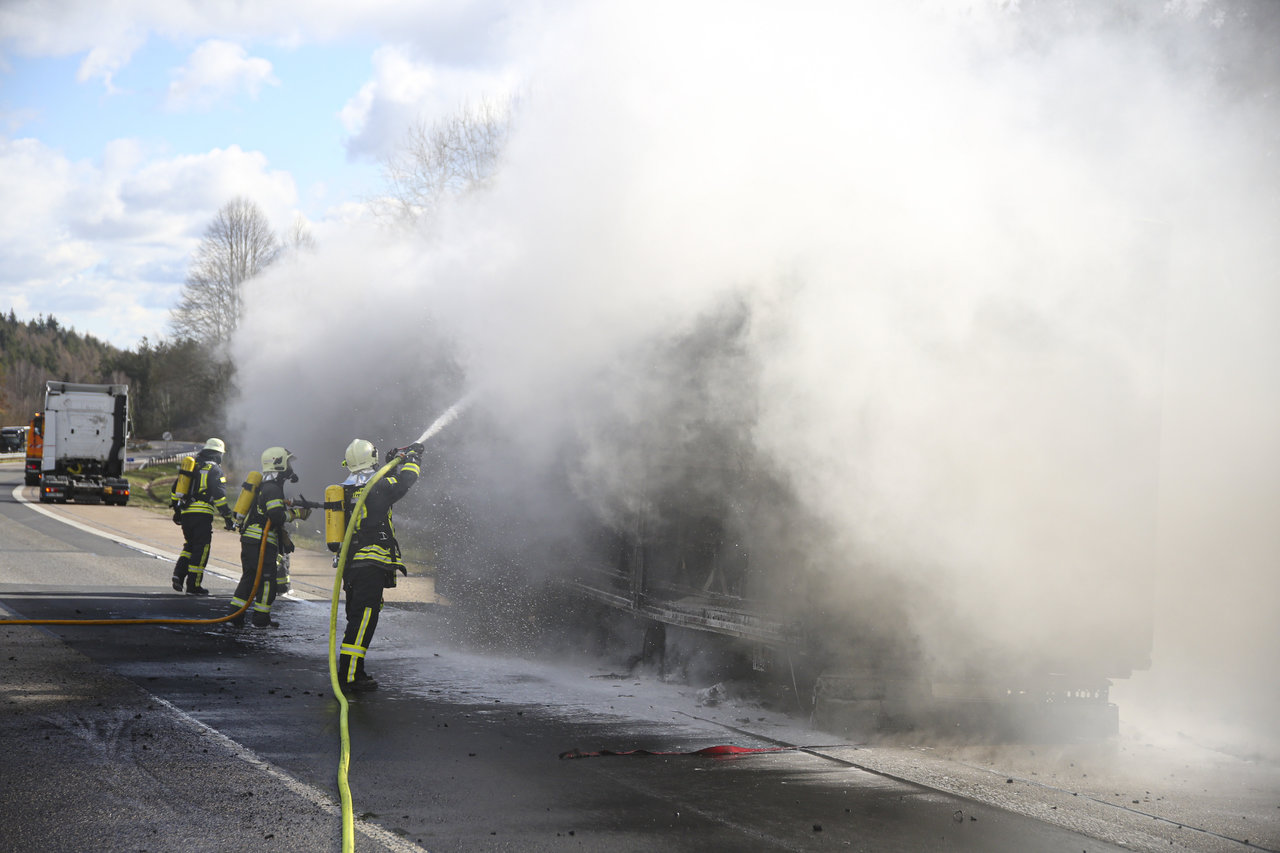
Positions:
{"x": 374, "y": 538}
{"x": 269, "y": 504}
{"x": 208, "y": 488}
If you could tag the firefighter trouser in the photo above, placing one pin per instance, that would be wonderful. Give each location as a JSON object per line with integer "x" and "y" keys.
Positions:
{"x": 197, "y": 534}
{"x": 261, "y": 607}
{"x": 363, "y": 583}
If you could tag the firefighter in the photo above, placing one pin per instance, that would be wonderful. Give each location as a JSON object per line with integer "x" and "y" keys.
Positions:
{"x": 268, "y": 504}
{"x": 206, "y": 493}
{"x": 373, "y": 554}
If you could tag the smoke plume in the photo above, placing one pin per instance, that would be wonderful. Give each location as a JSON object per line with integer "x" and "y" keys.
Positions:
{"x": 962, "y": 315}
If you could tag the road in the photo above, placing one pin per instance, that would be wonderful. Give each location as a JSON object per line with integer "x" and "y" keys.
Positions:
{"x": 189, "y": 738}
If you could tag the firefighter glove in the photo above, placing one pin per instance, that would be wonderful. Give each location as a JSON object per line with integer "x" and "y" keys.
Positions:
{"x": 229, "y": 521}
{"x": 286, "y": 542}
{"x": 177, "y": 515}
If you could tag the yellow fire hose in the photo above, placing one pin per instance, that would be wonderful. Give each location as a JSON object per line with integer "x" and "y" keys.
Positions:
{"x": 344, "y": 757}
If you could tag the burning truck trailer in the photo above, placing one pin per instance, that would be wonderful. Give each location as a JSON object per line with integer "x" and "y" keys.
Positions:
{"x": 705, "y": 573}
{"x": 714, "y": 577}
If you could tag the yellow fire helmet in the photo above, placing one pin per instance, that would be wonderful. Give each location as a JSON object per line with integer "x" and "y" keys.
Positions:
{"x": 276, "y": 459}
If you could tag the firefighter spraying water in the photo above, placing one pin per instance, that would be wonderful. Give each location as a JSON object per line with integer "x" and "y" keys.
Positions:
{"x": 358, "y": 513}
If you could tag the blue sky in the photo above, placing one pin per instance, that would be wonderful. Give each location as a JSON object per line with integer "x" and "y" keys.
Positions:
{"x": 121, "y": 137}
{"x": 294, "y": 119}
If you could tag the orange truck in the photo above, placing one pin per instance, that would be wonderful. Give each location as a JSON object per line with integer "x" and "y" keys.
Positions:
{"x": 35, "y": 448}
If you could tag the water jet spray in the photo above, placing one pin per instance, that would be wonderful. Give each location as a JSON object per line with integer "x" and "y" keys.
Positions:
{"x": 449, "y": 416}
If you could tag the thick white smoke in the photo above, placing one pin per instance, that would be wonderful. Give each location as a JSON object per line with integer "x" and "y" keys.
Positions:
{"x": 998, "y": 287}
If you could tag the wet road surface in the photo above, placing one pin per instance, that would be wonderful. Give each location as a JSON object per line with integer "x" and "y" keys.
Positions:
{"x": 457, "y": 751}
{"x": 462, "y": 752}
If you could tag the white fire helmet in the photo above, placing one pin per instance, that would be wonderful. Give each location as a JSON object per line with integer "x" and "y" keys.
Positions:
{"x": 361, "y": 456}
{"x": 215, "y": 444}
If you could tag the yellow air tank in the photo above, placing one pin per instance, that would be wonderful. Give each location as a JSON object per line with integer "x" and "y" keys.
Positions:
{"x": 335, "y": 517}
{"x": 183, "y": 484}
{"x": 248, "y": 491}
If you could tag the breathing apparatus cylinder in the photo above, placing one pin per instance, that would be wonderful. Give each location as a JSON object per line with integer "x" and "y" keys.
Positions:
{"x": 248, "y": 491}
{"x": 335, "y": 517}
{"x": 182, "y": 487}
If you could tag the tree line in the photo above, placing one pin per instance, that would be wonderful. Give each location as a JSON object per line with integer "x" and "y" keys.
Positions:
{"x": 170, "y": 382}
{"x": 40, "y": 349}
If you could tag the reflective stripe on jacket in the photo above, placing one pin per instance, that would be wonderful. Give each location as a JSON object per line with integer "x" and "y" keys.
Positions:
{"x": 269, "y": 504}
{"x": 374, "y": 539}
{"x": 208, "y": 489}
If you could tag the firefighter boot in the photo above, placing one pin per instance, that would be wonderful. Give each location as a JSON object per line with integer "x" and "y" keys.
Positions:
{"x": 361, "y": 682}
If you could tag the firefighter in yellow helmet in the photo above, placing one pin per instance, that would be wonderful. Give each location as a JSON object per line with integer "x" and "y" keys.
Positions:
{"x": 373, "y": 555}
{"x": 206, "y": 494}
{"x": 268, "y": 504}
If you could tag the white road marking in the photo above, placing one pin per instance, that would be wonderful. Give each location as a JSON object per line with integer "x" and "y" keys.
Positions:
{"x": 317, "y": 797}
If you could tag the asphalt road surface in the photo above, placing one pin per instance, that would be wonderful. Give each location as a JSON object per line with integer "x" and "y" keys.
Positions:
{"x": 205, "y": 738}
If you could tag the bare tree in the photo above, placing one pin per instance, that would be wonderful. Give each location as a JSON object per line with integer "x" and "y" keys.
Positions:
{"x": 447, "y": 158}
{"x": 300, "y": 238}
{"x": 237, "y": 245}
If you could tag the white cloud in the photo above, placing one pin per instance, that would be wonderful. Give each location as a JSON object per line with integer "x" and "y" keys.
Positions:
{"x": 215, "y": 71}
{"x": 104, "y": 246}
{"x": 103, "y": 61}
{"x": 460, "y": 33}
{"x": 405, "y": 90}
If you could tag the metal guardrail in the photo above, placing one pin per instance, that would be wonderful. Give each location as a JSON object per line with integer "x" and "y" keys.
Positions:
{"x": 159, "y": 460}
{"x": 130, "y": 463}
